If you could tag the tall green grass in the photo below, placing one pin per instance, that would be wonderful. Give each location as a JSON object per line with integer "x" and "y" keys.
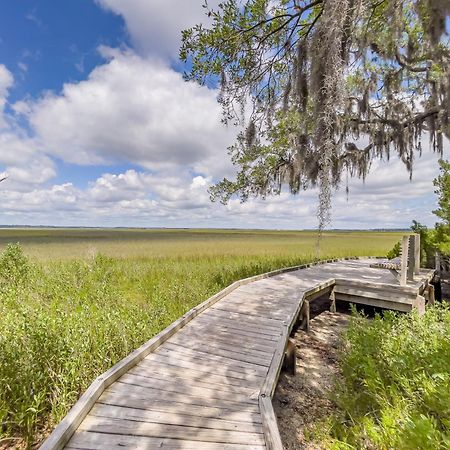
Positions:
{"x": 395, "y": 386}
{"x": 62, "y": 324}
{"x": 63, "y": 321}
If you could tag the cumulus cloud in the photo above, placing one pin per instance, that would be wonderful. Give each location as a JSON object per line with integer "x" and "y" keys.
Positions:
{"x": 172, "y": 198}
{"x": 20, "y": 157}
{"x": 135, "y": 110}
{"x": 155, "y": 26}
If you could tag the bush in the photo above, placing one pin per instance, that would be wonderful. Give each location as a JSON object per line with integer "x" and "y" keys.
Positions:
{"x": 395, "y": 386}
{"x": 394, "y": 252}
{"x": 14, "y": 266}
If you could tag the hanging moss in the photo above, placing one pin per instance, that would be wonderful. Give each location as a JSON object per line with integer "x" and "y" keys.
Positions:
{"x": 319, "y": 77}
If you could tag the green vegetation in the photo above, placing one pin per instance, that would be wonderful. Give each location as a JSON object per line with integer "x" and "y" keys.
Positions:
{"x": 395, "y": 386}
{"x": 442, "y": 229}
{"x": 437, "y": 239}
{"x": 74, "y": 302}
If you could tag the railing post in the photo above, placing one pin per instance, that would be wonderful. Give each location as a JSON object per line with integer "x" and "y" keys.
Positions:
{"x": 417, "y": 254}
{"x": 411, "y": 262}
{"x": 404, "y": 260}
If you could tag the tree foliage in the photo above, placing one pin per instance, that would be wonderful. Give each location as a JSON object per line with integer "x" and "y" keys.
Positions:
{"x": 442, "y": 185}
{"x": 442, "y": 229}
{"x": 310, "y": 80}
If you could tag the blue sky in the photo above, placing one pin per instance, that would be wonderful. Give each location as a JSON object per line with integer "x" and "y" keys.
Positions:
{"x": 97, "y": 128}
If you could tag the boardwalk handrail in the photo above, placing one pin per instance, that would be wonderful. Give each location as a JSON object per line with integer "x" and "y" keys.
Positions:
{"x": 270, "y": 427}
{"x": 64, "y": 430}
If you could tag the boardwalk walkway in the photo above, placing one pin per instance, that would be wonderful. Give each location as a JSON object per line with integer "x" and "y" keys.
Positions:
{"x": 209, "y": 385}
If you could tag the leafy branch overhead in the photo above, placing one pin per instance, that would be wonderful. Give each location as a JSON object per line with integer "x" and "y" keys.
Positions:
{"x": 317, "y": 78}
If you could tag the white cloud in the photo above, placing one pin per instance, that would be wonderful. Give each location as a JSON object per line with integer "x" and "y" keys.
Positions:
{"x": 20, "y": 157}
{"x": 178, "y": 199}
{"x": 155, "y": 25}
{"x": 132, "y": 110}
{"x": 6, "y": 81}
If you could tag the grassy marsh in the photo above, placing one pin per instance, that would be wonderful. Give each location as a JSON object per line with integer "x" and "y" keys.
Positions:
{"x": 73, "y": 302}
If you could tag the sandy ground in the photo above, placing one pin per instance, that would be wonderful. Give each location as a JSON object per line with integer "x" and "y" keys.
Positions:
{"x": 302, "y": 399}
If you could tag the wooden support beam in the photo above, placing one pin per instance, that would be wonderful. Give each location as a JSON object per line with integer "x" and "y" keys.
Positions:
{"x": 304, "y": 314}
{"x": 290, "y": 357}
{"x": 431, "y": 296}
{"x": 333, "y": 302}
{"x": 419, "y": 304}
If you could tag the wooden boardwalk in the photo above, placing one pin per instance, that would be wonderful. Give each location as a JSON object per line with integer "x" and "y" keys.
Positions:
{"x": 206, "y": 382}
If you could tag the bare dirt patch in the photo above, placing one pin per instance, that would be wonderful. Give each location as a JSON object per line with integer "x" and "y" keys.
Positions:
{"x": 302, "y": 400}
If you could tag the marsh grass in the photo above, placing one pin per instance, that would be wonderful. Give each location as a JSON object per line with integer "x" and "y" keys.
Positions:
{"x": 74, "y": 302}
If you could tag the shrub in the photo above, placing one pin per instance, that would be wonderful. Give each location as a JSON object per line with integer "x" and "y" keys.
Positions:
{"x": 394, "y": 252}
{"x": 395, "y": 386}
{"x": 14, "y": 266}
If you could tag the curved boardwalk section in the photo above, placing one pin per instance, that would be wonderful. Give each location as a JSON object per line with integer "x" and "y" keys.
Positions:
{"x": 206, "y": 382}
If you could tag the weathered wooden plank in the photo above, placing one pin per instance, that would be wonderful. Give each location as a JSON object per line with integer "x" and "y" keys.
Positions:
{"x": 225, "y": 328}
{"x": 187, "y": 398}
{"x": 221, "y": 337}
{"x": 243, "y": 319}
{"x": 135, "y": 401}
{"x": 233, "y": 312}
{"x": 170, "y": 418}
{"x": 234, "y": 364}
{"x": 108, "y": 425}
{"x": 362, "y": 283}
{"x": 255, "y": 364}
{"x": 270, "y": 426}
{"x": 380, "y": 295}
{"x": 199, "y": 365}
{"x": 213, "y": 320}
{"x": 261, "y": 296}
{"x": 374, "y": 302}
{"x": 182, "y": 386}
{"x": 259, "y": 310}
{"x": 227, "y": 350}
{"x": 201, "y": 379}
{"x": 99, "y": 441}
{"x": 270, "y": 381}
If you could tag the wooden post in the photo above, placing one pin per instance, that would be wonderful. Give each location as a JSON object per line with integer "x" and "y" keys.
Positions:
{"x": 417, "y": 254}
{"x": 411, "y": 258}
{"x": 437, "y": 263}
{"x": 333, "y": 301}
{"x": 431, "y": 297}
{"x": 290, "y": 357}
{"x": 305, "y": 316}
{"x": 419, "y": 304}
{"x": 404, "y": 260}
